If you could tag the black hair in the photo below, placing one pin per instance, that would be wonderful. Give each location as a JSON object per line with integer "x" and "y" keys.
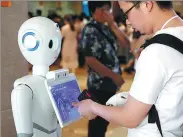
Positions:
{"x": 84, "y": 16}
{"x": 74, "y": 17}
{"x": 161, "y": 4}
{"x": 30, "y": 14}
{"x": 52, "y": 16}
{"x": 164, "y": 4}
{"x": 92, "y": 5}
{"x": 178, "y": 13}
{"x": 77, "y": 17}
{"x": 39, "y": 12}
{"x": 69, "y": 19}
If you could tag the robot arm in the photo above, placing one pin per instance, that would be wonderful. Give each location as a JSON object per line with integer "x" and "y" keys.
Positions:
{"x": 21, "y": 100}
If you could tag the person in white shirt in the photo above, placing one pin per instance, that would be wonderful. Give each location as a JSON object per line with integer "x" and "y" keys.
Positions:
{"x": 158, "y": 80}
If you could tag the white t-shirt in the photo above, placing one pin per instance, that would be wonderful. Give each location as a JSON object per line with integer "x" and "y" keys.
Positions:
{"x": 159, "y": 80}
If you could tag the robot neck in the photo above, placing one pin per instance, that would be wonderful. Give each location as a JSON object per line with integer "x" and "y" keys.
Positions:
{"x": 40, "y": 70}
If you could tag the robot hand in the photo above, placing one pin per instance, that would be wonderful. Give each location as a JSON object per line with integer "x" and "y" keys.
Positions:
{"x": 118, "y": 99}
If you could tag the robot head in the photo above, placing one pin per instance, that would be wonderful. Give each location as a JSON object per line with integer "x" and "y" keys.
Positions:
{"x": 39, "y": 40}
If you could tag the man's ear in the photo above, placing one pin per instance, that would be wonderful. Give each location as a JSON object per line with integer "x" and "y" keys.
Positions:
{"x": 146, "y": 7}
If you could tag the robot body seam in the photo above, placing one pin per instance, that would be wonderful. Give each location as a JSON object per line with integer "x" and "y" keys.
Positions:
{"x": 38, "y": 127}
{"x": 24, "y": 135}
{"x": 29, "y": 88}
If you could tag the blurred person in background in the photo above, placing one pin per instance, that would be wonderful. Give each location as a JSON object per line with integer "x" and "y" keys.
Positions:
{"x": 57, "y": 19}
{"x": 79, "y": 22}
{"x": 84, "y": 17}
{"x": 30, "y": 14}
{"x": 38, "y": 12}
{"x": 137, "y": 41}
{"x": 69, "y": 50}
{"x": 100, "y": 49}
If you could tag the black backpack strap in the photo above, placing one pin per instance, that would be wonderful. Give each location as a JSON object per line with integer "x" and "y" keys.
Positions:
{"x": 102, "y": 33}
{"x": 166, "y": 39}
{"x": 154, "y": 118}
{"x": 175, "y": 43}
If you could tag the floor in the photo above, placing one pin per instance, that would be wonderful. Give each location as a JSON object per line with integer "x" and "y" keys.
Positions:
{"x": 79, "y": 128}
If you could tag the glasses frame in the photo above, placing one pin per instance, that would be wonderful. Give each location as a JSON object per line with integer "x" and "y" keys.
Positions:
{"x": 126, "y": 13}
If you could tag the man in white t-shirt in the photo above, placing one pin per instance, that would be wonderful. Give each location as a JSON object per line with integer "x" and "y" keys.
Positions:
{"x": 158, "y": 79}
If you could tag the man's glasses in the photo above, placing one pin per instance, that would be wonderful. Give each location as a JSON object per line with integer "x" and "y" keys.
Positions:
{"x": 125, "y": 14}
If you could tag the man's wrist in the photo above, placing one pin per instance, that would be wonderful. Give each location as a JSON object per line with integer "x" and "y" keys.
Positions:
{"x": 93, "y": 107}
{"x": 112, "y": 24}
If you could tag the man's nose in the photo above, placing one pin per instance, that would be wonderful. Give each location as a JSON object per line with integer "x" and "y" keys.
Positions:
{"x": 128, "y": 22}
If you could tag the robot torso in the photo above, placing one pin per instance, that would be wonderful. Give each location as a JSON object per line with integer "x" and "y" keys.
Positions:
{"x": 43, "y": 115}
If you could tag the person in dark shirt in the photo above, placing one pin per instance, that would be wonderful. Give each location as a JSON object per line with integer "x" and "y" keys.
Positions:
{"x": 104, "y": 72}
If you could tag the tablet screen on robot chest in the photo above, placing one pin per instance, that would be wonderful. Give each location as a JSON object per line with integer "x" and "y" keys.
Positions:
{"x": 63, "y": 94}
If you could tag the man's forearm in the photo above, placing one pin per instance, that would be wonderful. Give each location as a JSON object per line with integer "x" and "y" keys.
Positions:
{"x": 121, "y": 36}
{"x": 100, "y": 68}
{"x": 116, "y": 115}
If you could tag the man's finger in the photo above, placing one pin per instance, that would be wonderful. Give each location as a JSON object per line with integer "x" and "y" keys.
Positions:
{"x": 75, "y": 104}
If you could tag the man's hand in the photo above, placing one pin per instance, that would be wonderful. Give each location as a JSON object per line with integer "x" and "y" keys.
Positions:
{"x": 104, "y": 71}
{"x": 121, "y": 36}
{"x": 108, "y": 17}
{"x": 118, "y": 80}
{"x": 85, "y": 108}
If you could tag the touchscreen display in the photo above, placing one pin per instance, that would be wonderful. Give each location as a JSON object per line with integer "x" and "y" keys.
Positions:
{"x": 64, "y": 95}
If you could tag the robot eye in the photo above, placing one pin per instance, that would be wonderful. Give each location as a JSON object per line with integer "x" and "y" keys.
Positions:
{"x": 53, "y": 44}
{"x": 57, "y": 25}
{"x": 50, "y": 44}
{"x": 30, "y": 41}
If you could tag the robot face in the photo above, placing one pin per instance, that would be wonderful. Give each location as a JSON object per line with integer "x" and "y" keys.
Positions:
{"x": 30, "y": 41}
{"x": 39, "y": 40}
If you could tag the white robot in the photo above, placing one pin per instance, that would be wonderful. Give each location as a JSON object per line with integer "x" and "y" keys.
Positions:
{"x": 39, "y": 40}
{"x": 118, "y": 99}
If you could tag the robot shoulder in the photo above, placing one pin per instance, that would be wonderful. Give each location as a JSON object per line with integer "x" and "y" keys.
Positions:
{"x": 22, "y": 90}
{"x": 29, "y": 81}
{"x": 22, "y": 80}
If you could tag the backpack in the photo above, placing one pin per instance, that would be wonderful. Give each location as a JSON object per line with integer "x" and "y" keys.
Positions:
{"x": 175, "y": 43}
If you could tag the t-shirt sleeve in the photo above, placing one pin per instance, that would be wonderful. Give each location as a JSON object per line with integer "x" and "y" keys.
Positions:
{"x": 149, "y": 78}
{"x": 90, "y": 43}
